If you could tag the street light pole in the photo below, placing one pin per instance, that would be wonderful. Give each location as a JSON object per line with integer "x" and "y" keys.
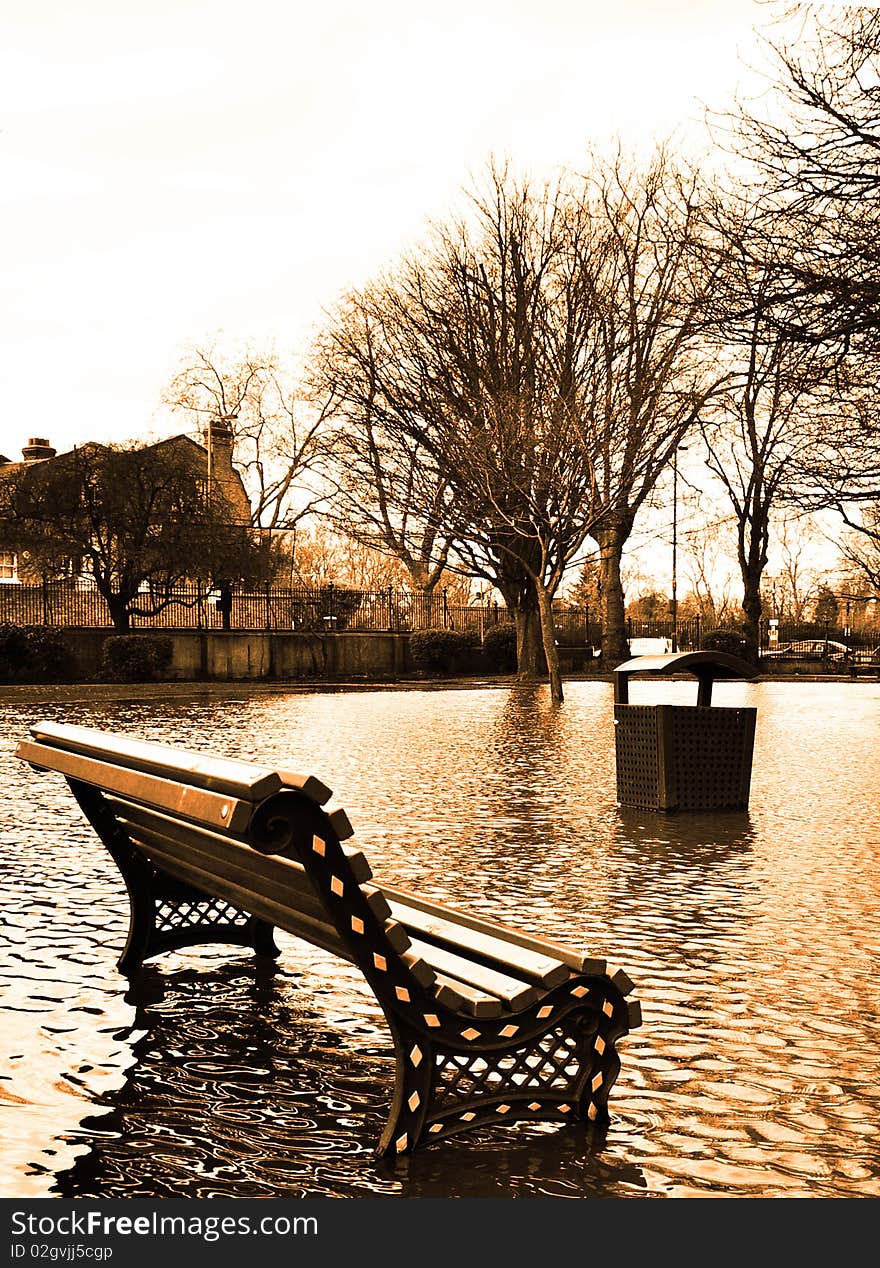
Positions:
{"x": 674, "y": 604}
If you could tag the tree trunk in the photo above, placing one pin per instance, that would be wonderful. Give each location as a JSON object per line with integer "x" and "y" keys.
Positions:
{"x": 753, "y": 610}
{"x": 119, "y": 613}
{"x": 529, "y": 652}
{"x": 615, "y": 648}
{"x": 548, "y": 637}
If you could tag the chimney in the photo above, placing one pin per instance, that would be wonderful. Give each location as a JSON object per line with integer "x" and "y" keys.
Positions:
{"x": 37, "y": 450}
{"x": 221, "y": 435}
{"x": 222, "y": 474}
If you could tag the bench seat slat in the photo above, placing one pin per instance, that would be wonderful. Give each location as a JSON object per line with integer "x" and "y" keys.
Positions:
{"x": 567, "y": 955}
{"x": 191, "y": 835}
{"x": 273, "y": 889}
{"x": 507, "y": 957}
{"x": 512, "y": 993}
{"x": 322, "y": 933}
{"x": 466, "y": 999}
{"x": 246, "y": 866}
{"x": 198, "y": 804}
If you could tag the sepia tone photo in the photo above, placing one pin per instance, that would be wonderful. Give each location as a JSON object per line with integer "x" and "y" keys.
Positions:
{"x": 439, "y": 604}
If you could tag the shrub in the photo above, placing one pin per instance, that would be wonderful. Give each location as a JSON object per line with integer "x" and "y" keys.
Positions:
{"x": 444, "y": 651}
{"x": 499, "y": 648}
{"x": 49, "y": 658}
{"x": 33, "y": 653}
{"x": 724, "y": 639}
{"x": 12, "y": 651}
{"x": 135, "y": 657}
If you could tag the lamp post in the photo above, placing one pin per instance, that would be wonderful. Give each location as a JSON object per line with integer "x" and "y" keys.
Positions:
{"x": 674, "y": 604}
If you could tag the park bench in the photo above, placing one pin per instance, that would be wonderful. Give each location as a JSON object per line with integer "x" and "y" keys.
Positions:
{"x": 489, "y": 1023}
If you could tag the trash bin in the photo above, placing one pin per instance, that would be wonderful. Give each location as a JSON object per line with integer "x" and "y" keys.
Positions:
{"x": 683, "y": 757}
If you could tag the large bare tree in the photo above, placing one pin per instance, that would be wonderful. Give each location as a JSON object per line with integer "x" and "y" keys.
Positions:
{"x": 816, "y": 153}
{"x": 650, "y": 286}
{"x": 476, "y": 355}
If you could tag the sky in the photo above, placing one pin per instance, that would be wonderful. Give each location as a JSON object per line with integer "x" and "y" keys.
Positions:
{"x": 198, "y": 171}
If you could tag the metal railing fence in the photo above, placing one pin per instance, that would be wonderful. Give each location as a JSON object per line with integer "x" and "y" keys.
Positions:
{"x": 332, "y": 608}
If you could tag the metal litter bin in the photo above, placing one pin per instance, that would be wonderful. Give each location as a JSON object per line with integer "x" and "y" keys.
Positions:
{"x": 683, "y": 757}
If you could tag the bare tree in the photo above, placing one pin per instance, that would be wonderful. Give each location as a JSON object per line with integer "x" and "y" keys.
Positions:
{"x": 280, "y": 441}
{"x": 388, "y": 493}
{"x": 650, "y": 286}
{"x": 474, "y": 357}
{"x": 797, "y": 582}
{"x": 860, "y": 545}
{"x": 706, "y": 568}
{"x": 785, "y": 395}
{"x": 816, "y": 153}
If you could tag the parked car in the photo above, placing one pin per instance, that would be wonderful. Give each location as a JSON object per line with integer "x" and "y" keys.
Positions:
{"x": 865, "y": 656}
{"x": 810, "y": 649}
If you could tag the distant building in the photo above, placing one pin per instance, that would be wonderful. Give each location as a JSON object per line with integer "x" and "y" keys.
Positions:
{"x": 213, "y": 463}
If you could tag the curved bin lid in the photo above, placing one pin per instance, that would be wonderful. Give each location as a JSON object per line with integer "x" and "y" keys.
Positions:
{"x": 707, "y": 667}
{"x": 712, "y": 665}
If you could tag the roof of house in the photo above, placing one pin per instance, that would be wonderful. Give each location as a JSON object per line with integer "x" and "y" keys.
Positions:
{"x": 236, "y": 494}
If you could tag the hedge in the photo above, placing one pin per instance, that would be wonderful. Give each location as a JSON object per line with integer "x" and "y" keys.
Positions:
{"x": 34, "y": 653}
{"x": 499, "y": 648}
{"x": 724, "y": 639}
{"x": 135, "y": 657}
{"x": 445, "y": 651}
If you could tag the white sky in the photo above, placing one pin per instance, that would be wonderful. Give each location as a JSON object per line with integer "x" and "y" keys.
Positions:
{"x": 206, "y": 165}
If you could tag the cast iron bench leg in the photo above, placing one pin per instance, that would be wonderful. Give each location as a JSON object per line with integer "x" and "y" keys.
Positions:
{"x": 555, "y": 1061}
{"x": 167, "y": 914}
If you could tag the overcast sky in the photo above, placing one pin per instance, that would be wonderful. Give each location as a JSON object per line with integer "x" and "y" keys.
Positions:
{"x": 203, "y": 167}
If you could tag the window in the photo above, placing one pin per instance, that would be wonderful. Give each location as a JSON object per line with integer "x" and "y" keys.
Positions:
{"x": 8, "y": 566}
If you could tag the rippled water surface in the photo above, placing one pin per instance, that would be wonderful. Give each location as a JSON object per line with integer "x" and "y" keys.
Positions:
{"x": 753, "y": 940}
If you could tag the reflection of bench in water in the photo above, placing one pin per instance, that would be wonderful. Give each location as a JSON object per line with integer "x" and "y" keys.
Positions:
{"x": 489, "y": 1023}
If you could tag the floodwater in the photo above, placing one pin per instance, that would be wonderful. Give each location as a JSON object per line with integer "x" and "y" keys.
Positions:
{"x": 753, "y": 941}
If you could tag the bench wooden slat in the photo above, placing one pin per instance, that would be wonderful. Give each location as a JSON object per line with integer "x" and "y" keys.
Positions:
{"x": 275, "y": 889}
{"x": 494, "y": 952}
{"x": 512, "y": 993}
{"x": 321, "y": 932}
{"x": 282, "y": 876}
{"x": 250, "y": 781}
{"x": 191, "y": 835}
{"x": 466, "y": 999}
{"x": 198, "y": 804}
{"x": 227, "y": 775}
{"x": 574, "y": 960}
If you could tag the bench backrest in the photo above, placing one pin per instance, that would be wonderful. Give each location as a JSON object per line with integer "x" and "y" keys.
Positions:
{"x": 254, "y": 836}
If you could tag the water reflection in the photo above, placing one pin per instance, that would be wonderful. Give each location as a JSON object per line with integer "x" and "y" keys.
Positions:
{"x": 753, "y": 939}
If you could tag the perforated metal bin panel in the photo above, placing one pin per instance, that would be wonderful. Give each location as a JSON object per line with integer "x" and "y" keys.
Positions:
{"x": 679, "y": 757}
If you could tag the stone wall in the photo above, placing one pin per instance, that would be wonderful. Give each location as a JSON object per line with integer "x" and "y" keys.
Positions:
{"x": 251, "y": 655}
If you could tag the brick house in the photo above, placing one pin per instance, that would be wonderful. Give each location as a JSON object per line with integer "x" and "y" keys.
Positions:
{"x": 213, "y": 462}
